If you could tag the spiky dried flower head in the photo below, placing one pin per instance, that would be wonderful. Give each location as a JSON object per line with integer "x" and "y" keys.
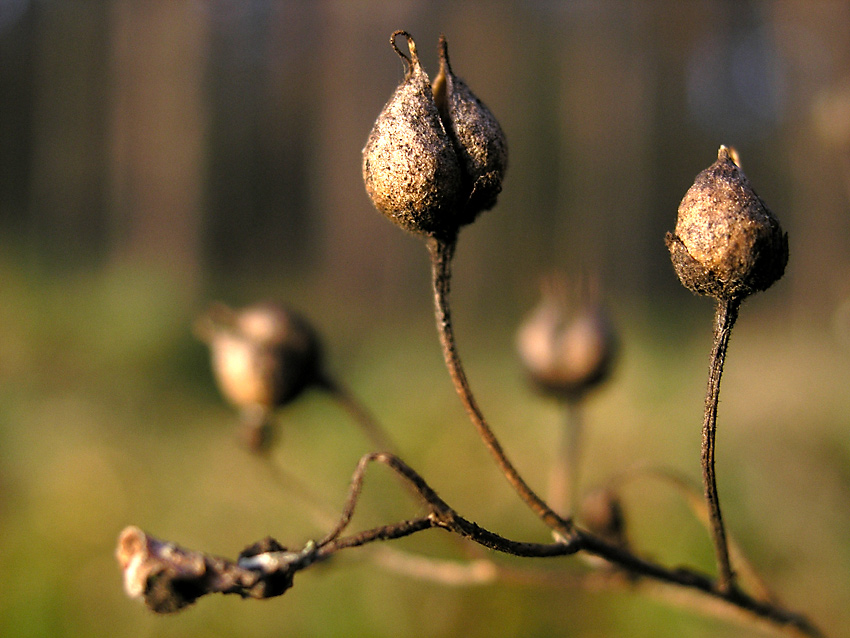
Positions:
{"x": 567, "y": 344}
{"x": 436, "y": 156}
{"x": 727, "y": 244}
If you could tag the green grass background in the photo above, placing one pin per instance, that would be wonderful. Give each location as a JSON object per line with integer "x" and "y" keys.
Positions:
{"x": 108, "y": 417}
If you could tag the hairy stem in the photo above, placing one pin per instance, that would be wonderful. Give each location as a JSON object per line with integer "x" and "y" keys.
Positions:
{"x": 724, "y": 319}
{"x": 441, "y": 252}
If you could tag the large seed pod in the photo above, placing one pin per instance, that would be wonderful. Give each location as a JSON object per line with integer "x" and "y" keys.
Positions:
{"x": 479, "y": 140}
{"x": 410, "y": 167}
{"x": 727, "y": 244}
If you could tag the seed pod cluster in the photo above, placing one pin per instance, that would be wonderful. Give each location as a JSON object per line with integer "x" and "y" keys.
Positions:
{"x": 436, "y": 156}
{"x": 567, "y": 344}
{"x": 727, "y": 244}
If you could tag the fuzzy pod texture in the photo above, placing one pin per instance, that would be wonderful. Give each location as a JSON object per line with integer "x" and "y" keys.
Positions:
{"x": 436, "y": 156}
{"x": 477, "y": 137}
{"x": 567, "y": 344}
{"x": 727, "y": 244}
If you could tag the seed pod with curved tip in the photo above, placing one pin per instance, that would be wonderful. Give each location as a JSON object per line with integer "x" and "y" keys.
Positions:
{"x": 567, "y": 345}
{"x": 477, "y": 136}
{"x": 727, "y": 244}
{"x": 410, "y": 167}
{"x": 436, "y": 156}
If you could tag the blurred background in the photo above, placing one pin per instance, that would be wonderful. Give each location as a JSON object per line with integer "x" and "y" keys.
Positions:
{"x": 156, "y": 156}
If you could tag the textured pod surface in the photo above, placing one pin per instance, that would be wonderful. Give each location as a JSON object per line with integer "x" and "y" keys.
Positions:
{"x": 727, "y": 244}
{"x": 410, "y": 167}
{"x": 479, "y": 140}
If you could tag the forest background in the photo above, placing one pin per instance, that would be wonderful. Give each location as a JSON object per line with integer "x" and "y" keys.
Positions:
{"x": 156, "y": 156}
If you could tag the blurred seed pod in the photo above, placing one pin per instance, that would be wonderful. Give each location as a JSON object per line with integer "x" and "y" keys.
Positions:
{"x": 263, "y": 357}
{"x": 727, "y": 244}
{"x": 436, "y": 156}
{"x": 567, "y": 344}
{"x": 602, "y": 513}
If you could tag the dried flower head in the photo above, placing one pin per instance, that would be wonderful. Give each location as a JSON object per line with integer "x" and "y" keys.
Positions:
{"x": 169, "y": 578}
{"x": 436, "y": 156}
{"x": 727, "y": 244}
{"x": 567, "y": 344}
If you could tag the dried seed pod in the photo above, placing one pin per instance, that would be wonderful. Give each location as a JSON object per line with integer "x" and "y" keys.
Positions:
{"x": 263, "y": 357}
{"x": 602, "y": 513}
{"x": 479, "y": 140}
{"x": 436, "y": 156}
{"x": 567, "y": 345}
{"x": 727, "y": 244}
{"x": 410, "y": 167}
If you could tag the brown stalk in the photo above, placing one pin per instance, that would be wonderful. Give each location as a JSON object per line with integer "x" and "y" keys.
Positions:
{"x": 170, "y": 577}
{"x": 441, "y": 252}
{"x": 725, "y": 315}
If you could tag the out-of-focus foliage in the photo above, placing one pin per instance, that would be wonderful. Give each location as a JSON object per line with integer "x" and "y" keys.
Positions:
{"x": 155, "y": 156}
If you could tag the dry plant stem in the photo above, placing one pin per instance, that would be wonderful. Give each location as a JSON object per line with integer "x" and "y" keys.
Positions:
{"x": 695, "y": 499}
{"x": 724, "y": 319}
{"x": 361, "y": 415}
{"x": 441, "y": 252}
{"x": 185, "y": 575}
{"x": 563, "y": 482}
{"x": 441, "y": 515}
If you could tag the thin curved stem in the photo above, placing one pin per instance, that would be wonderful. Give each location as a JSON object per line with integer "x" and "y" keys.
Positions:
{"x": 563, "y": 481}
{"x": 695, "y": 500}
{"x": 361, "y": 415}
{"x": 170, "y": 577}
{"x": 441, "y": 252}
{"x": 724, "y": 319}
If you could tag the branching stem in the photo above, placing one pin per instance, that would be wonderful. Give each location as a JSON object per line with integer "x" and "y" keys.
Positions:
{"x": 170, "y": 577}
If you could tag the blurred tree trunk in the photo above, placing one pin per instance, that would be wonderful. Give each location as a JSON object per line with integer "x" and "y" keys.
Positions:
{"x": 817, "y": 54}
{"x": 67, "y": 188}
{"x": 158, "y": 129}
{"x": 606, "y": 130}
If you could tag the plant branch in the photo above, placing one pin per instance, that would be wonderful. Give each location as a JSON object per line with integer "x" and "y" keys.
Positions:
{"x": 725, "y": 315}
{"x": 169, "y": 577}
{"x": 441, "y": 253}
